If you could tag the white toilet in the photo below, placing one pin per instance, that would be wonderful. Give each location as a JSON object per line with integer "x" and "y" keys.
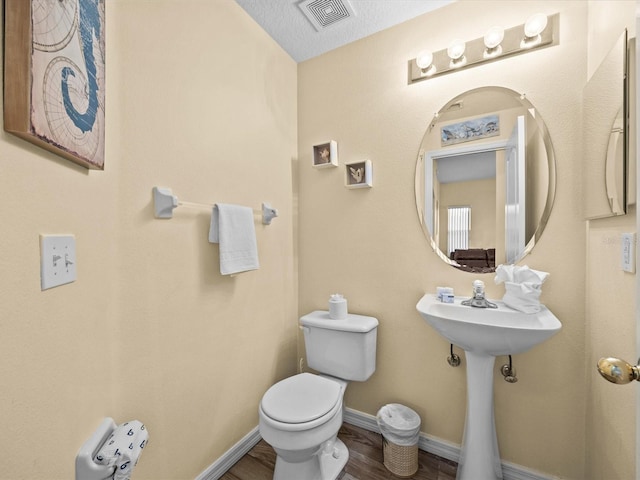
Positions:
{"x": 300, "y": 416}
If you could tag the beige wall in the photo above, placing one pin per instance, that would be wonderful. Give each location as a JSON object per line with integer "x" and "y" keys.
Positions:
{"x": 611, "y": 332}
{"x": 480, "y": 195}
{"x": 150, "y": 329}
{"x": 368, "y": 244}
{"x": 610, "y": 298}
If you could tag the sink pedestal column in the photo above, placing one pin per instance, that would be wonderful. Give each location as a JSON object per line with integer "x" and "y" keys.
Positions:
{"x": 479, "y": 459}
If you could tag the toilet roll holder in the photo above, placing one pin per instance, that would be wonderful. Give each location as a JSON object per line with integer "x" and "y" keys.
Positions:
{"x": 86, "y": 468}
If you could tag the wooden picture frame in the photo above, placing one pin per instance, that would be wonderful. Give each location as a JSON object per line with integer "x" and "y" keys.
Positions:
{"x": 54, "y": 77}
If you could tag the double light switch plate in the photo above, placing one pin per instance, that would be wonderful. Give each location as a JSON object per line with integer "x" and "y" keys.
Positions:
{"x": 57, "y": 260}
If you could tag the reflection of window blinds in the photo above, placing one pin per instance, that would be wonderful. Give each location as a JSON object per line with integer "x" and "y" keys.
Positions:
{"x": 459, "y": 224}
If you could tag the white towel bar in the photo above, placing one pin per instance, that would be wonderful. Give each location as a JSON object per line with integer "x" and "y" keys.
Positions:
{"x": 86, "y": 468}
{"x": 164, "y": 201}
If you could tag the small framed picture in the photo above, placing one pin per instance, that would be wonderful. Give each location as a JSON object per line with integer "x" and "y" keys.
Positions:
{"x": 470, "y": 130}
{"x": 325, "y": 155}
{"x": 359, "y": 174}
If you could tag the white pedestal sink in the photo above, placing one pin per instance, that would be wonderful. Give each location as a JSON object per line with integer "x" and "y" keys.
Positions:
{"x": 484, "y": 333}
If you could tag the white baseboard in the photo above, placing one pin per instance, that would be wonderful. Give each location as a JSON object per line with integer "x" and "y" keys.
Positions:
{"x": 442, "y": 448}
{"x": 218, "y": 468}
{"x": 428, "y": 443}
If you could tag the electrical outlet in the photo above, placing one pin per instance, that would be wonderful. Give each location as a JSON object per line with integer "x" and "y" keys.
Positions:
{"x": 57, "y": 260}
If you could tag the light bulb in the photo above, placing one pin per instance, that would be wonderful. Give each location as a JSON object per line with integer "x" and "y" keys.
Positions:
{"x": 535, "y": 25}
{"x": 424, "y": 59}
{"x": 493, "y": 37}
{"x": 456, "y": 49}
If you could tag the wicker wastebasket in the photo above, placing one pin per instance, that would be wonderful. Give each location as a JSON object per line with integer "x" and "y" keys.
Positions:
{"x": 400, "y": 428}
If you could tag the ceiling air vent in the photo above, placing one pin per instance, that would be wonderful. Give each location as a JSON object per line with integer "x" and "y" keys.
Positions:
{"x": 325, "y": 13}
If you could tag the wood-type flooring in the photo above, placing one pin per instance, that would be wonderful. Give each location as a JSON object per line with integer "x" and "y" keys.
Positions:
{"x": 365, "y": 460}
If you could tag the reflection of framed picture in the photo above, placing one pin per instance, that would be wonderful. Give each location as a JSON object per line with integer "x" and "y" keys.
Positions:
{"x": 54, "y": 77}
{"x": 469, "y": 130}
{"x": 359, "y": 174}
{"x": 325, "y": 155}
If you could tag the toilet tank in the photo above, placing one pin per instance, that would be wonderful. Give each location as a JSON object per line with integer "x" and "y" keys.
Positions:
{"x": 341, "y": 348}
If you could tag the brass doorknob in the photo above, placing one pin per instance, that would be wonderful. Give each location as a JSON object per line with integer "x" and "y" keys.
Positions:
{"x": 618, "y": 371}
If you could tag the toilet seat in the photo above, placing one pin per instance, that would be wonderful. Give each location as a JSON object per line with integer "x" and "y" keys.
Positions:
{"x": 301, "y": 398}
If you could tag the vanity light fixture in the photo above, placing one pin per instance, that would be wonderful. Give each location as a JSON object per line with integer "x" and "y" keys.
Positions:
{"x": 538, "y": 31}
{"x": 533, "y": 27}
{"x": 492, "y": 40}
{"x": 455, "y": 51}
{"x": 424, "y": 61}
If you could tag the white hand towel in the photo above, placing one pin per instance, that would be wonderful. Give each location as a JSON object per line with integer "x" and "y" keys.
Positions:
{"x": 123, "y": 448}
{"x": 523, "y": 287}
{"x": 232, "y": 227}
{"x": 523, "y": 297}
{"x": 519, "y": 274}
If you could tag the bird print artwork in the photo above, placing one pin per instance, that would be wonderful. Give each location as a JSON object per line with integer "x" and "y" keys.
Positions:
{"x": 357, "y": 174}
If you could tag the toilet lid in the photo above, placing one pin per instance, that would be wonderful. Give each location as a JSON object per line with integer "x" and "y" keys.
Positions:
{"x": 301, "y": 398}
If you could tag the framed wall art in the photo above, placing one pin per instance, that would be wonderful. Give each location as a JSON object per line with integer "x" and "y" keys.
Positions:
{"x": 325, "y": 155}
{"x": 54, "y": 76}
{"x": 359, "y": 174}
{"x": 469, "y": 130}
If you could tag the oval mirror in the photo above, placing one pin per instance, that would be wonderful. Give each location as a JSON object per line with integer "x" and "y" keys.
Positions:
{"x": 485, "y": 179}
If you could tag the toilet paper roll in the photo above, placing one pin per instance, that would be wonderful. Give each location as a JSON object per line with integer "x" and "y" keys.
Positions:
{"x": 337, "y": 307}
{"x": 123, "y": 448}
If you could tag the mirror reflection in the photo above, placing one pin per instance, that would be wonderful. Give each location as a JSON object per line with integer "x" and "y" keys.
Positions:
{"x": 604, "y": 115}
{"x": 485, "y": 179}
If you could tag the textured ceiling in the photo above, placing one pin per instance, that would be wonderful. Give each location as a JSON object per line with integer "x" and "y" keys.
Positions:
{"x": 286, "y": 23}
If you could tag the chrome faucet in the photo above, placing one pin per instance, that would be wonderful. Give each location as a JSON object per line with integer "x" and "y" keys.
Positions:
{"x": 478, "y": 300}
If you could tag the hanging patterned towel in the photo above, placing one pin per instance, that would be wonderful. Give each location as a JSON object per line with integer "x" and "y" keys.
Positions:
{"x": 123, "y": 448}
{"x": 232, "y": 227}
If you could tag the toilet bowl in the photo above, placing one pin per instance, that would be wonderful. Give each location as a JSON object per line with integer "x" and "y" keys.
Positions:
{"x": 300, "y": 416}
